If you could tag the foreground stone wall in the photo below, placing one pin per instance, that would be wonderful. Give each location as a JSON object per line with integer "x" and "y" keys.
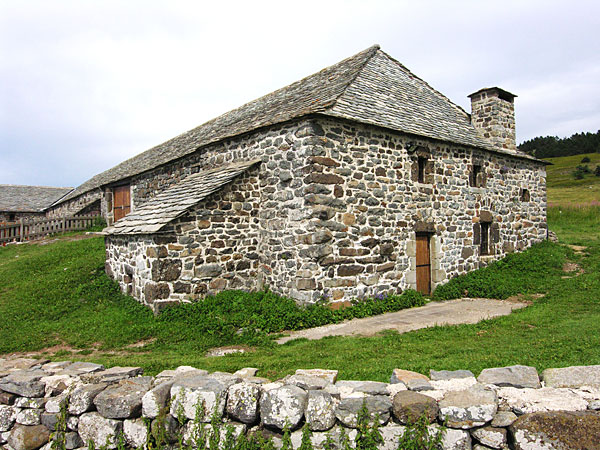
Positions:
{"x": 503, "y": 408}
{"x": 335, "y": 211}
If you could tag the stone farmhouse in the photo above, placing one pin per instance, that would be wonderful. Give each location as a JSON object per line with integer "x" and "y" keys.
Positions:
{"x": 357, "y": 180}
{"x": 19, "y": 202}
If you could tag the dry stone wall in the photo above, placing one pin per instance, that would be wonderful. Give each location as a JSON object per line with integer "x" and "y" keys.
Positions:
{"x": 503, "y": 408}
{"x": 333, "y": 211}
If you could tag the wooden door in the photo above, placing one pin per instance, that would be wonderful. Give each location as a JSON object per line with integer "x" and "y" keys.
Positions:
{"x": 121, "y": 202}
{"x": 423, "y": 264}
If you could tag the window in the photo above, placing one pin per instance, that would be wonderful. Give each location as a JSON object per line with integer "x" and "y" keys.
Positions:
{"x": 525, "y": 196}
{"x": 422, "y": 162}
{"x": 11, "y": 217}
{"x": 484, "y": 246}
{"x": 476, "y": 179}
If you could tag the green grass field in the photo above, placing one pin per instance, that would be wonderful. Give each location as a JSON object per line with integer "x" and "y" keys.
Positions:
{"x": 56, "y": 301}
{"x": 56, "y": 297}
{"x": 564, "y": 189}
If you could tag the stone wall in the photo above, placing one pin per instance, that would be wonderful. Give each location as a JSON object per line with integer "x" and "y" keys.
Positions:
{"x": 335, "y": 212}
{"x": 503, "y": 408}
{"x": 239, "y": 237}
{"x": 9, "y": 217}
{"x": 77, "y": 205}
{"x": 212, "y": 248}
{"x": 365, "y": 185}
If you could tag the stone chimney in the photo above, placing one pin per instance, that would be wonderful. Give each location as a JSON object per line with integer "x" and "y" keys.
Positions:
{"x": 493, "y": 115}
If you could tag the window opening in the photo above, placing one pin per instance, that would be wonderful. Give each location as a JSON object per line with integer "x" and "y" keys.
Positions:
{"x": 485, "y": 233}
{"x": 422, "y": 162}
{"x": 476, "y": 175}
{"x": 525, "y": 196}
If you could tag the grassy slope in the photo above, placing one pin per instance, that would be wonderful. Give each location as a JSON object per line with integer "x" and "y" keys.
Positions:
{"x": 564, "y": 189}
{"x": 57, "y": 294}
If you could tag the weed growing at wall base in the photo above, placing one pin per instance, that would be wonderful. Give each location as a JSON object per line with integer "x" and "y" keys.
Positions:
{"x": 219, "y": 435}
{"x": 243, "y": 313}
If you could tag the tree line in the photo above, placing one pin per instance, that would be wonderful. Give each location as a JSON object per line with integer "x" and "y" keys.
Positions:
{"x": 551, "y": 146}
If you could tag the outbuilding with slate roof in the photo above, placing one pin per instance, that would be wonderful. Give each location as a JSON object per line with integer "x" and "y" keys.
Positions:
{"x": 357, "y": 180}
{"x": 19, "y": 202}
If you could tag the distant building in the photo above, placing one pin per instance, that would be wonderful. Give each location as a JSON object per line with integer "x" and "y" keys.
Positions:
{"x": 27, "y": 202}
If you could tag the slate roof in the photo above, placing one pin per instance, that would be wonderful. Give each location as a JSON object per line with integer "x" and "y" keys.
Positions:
{"x": 17, "y": 198}
{"x": 369, "y": 87}
{"x": 171, "y": 203}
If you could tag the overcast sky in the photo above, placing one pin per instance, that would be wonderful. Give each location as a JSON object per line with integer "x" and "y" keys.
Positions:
{"x": 85, "y": 85}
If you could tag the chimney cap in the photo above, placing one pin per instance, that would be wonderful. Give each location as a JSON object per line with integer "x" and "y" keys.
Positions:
{"x": 499, "y": 92}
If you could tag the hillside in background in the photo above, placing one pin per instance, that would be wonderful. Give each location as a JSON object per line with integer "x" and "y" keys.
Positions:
{"x": 564, "y": 186}
{"x": 552, "y": 146}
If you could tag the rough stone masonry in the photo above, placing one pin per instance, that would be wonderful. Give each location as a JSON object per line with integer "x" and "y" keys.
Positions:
{"x": 355, "y": 181}
{"x": 503, "y": 408}
{"x": 346, "y": 228}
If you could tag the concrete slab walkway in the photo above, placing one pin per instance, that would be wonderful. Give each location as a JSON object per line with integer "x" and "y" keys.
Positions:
{"x": 452, "y": 312}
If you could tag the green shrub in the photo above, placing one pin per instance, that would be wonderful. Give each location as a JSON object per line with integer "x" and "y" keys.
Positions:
{"x": 585, "y": 159}
{"x": 580, "y": 172}
{"x": 248, "y": 314}
{"x": 98, "y": 225}
{"x": 417, "y": 436}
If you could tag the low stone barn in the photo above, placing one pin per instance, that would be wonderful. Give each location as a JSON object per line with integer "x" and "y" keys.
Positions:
{"x": 357, "y": 180}
{"x": 18, "y": 202}
{"x": 81, "y": 201}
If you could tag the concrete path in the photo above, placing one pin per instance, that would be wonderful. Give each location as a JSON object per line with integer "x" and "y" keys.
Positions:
{"x": 452, "y": 312}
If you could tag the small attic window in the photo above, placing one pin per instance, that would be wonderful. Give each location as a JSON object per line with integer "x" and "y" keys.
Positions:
{"x": 422, "y": 165}
{"x": 525, "y": 196}
{"x": 11, "y": 217}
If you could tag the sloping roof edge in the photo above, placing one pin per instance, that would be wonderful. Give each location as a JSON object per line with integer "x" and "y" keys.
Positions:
{"x": 152, "y": 216}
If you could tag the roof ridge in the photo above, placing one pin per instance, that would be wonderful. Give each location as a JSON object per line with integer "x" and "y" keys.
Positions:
{"x": 406, "y": 69}
{"x": 372, "y": 51}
